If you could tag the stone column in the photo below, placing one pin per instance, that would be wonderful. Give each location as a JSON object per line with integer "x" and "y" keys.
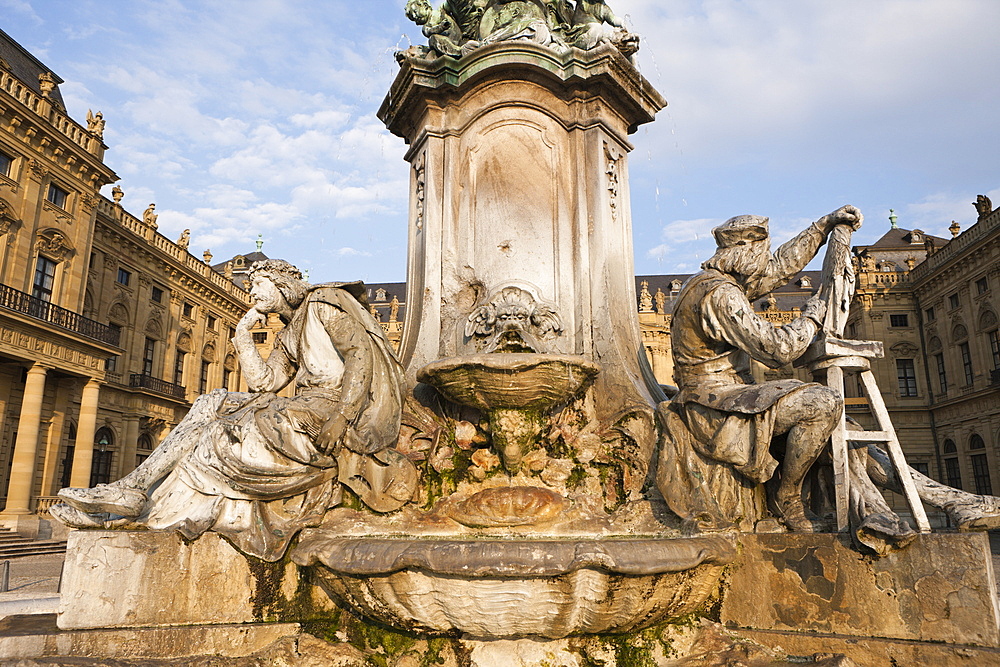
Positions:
{"x": 22, "y": 472}
{"x": 126, "y": 462}
{"x": 83, "y": 454}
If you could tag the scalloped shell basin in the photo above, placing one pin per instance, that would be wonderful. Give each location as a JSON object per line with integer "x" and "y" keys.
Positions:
{"x": 510, "y": 380}
{"x": 496, "y": 588}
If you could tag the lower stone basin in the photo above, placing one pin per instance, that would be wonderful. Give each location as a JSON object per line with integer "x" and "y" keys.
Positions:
{"x": 496, "y": 588}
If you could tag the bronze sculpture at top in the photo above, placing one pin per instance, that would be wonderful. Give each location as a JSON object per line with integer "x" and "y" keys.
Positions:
{"x": 458, "y": 27}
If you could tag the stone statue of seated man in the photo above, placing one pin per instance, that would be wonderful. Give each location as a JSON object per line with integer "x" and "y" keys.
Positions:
{"x": 731, "y": 447}
{"x": 257, "y": 467}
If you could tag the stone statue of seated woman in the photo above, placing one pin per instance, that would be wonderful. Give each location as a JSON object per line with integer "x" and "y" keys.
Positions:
{"x": 257, "y": 467}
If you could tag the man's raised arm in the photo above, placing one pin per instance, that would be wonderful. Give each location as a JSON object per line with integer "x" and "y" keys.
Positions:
{"x": 793, "y": 255}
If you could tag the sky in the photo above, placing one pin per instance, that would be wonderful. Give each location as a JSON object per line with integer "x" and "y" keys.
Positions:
{"x": 258, "y": 117}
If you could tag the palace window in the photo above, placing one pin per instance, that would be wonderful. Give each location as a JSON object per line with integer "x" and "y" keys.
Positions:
{"x": 907, "y": 377}
{"x": 929, "y": 314}
{"x": 203, "y": 380}
{"x": 100, "y": 468}
{"x": 226, "y": 373}
{"x": 942, "y": 374}
{"x": 187, "y": 309}
{"x": 967, "y": 363}
{"x": 179, "y": 368}
{"x": 156, "y": 294}
{"x": 995, "y": 348}
{"x": 124, "y": 277}
{"x": 56, "y": 195}
{"x": 901, "y": 320}
{"x": 952, "y": 471}
{"x": 982, "y": 286}
{"x": 259, "y": 337}
{"x": 45, "y": 278}
{"x": 212, "y": 319}
{"x": 6, "y": 162}
{"x": 981, "y": 474}
{"x": 953, "y": 301}
{"x": 148, "y": 355}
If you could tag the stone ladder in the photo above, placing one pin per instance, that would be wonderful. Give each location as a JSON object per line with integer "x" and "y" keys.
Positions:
{"x": 13, "y": 545}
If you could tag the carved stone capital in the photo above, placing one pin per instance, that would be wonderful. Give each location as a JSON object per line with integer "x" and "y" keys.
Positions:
{"x": 88, "y": 201}
{"x": 36, "y": 171}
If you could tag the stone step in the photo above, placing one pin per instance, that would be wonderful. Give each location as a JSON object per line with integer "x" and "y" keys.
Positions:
{"x": 31, "y": 548}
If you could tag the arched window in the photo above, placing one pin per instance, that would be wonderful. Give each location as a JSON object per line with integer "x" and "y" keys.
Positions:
{"x": 952, "y": 470}
{"x": 980, "y": 466}
{"x": 100, "y": 468}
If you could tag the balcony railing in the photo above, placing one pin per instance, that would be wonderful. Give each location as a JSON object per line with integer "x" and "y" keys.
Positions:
{"x": 140, "y": 381}
{"x": 31, "y": 306}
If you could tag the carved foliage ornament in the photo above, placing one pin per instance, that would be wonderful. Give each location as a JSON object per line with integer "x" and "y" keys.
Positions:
{"x": 612, "y": 169}
{"x": 419, "y": 170}
{"x": 513, "y": 321}
{"x": 7, "y": 219}
{"x": 904, "y": 349}
{"x": 53, "y": 244}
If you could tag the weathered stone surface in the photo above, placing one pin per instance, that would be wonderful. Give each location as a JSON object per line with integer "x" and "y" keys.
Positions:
{"x": 941, "y": 588}
{"x": 129, "y": 579}
{"x": 116, "y": 579}
{"x": 24, "y": 638}
{"x": 874, "y": 652}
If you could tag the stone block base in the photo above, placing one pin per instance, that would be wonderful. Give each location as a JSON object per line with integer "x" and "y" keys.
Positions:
{"x": 36, "y": 637}
{"x": 132, "y": 579}
{"x": 874, "y": 652}
{"x": 941, "y": 588}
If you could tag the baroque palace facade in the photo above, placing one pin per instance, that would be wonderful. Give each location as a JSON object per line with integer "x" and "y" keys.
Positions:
{"x": 109, "y": 330}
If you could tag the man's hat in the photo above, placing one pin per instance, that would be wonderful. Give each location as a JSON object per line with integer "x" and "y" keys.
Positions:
{"x": 741, "y": 230}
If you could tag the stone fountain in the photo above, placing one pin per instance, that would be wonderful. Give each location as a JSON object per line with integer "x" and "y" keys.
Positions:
{"x": 507, "y": 491}
{"x": 532, "y": 405}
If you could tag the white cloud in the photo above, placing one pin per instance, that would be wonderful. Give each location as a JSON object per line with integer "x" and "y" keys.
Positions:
{"x": 345, "y": 252}
{"x": 935, "y": 212}
{"x": 22, "y": 8}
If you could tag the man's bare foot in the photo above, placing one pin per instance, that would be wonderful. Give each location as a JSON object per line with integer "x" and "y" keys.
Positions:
{"x": 110, "y": 498}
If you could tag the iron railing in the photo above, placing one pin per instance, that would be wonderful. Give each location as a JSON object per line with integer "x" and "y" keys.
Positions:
{"x": 141, "y": 381}
{"x": 23, "y": 303}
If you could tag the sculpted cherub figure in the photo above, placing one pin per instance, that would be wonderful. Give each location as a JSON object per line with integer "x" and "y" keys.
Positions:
{"x": 444, "y": 31}
{"x": 589, "y": 21}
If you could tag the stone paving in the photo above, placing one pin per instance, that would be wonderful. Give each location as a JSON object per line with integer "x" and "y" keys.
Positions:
{"x": 33, "y": 576}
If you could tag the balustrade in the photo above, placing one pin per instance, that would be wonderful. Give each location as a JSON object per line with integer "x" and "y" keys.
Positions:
{"x": 31, "y": 306}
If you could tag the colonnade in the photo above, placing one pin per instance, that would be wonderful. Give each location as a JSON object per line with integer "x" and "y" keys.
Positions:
{"x": 25, "y": 456}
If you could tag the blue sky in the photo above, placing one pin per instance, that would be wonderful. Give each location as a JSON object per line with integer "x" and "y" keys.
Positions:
{"x": 258, "y": 116}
